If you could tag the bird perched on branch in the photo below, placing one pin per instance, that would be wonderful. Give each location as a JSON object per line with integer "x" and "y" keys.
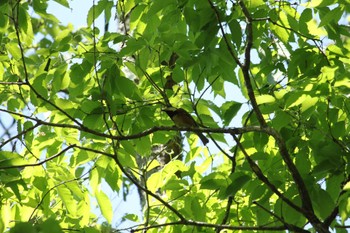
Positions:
{"x": 181, "y": 118}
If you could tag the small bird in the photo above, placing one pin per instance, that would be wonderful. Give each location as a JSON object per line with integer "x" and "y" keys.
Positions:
{"x": 181, "y": 118}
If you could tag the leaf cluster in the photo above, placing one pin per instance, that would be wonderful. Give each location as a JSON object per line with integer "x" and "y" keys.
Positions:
{"x": 81, "y": 112}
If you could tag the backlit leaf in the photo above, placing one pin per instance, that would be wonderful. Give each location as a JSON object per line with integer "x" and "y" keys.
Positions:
{"x": 105, "y": 205}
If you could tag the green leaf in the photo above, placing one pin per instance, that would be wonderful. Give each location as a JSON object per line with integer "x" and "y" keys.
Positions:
{"x": 214, "y": 181}
{"x": 197, "y": 210}
{"x": 94, "y": 121}
{"x": 132, "y": 46}
{"x": 128, "y": 88}
{"x": 291, "y": 215}
{"x": 113, "y": 177}
{"x": 339, "y": 129}
{"x": 255, "y": 4}
{"x": 344, "y": 207}
{"x": 308, "y": 103}
{"x": 323, "y": 203}
{"x": 95, "y": 11}
{"x": 5, "y": 213}
{"x": 319, "y": 3}
{"x": 157, "y": 6}
{"x": 242, "y": 84}
{"x": 14, "y": 50}
{"x": 21, "y": 227}
{"x": 331, "y": 16}
{"x": 14, "y": 187}
{"x": 50, "y": 226}
{"x": 39, "y": 85}
{"x": 11, "y": 159}
{"x": 265, "y": 99}
{"x": 238, "y": 181}
{"x": 281, "y": 32}
{"x": 236, "y": 32}
{"x": 4, "y": 22}
{"x": 67, "y": 199}
{"x": 105, "y": 205}
{"x": 281, "y": 120}
{"x": 131, "y": 217}
{"x": 347, "y": 186}
{"x": 40, "y": 6}
{"x": 23, "y": 18}
{"x": 305, "y": 17}
{"x": 64, "y": 3}
{"x": 229, "y": 111}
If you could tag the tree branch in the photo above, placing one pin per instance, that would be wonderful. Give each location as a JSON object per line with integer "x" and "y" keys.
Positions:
{"x": 256, "y": 169}
{"x": 228, "y": 44}
{"x": 288, "y": 226}
{"x": 307, "y": 208}
{"x": 20, "y": 134}
{"x": 211, "y": 225}
{"x": 246, "y": 66}
{"x": 41, "y": 162}
{"x": 134, "y": 181}
{"x": 52, "y": 188}
{"x": 143, "y": 133}
{"x": 27, "y": 77}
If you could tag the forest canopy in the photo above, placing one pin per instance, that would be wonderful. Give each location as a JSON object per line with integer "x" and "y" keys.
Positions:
{"x": 225, "y": 116}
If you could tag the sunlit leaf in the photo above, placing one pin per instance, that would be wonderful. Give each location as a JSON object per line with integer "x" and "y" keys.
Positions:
{"x": 105, "y": 205}
{"x": 63, "y": 3}
{"x": 264, "y": 99}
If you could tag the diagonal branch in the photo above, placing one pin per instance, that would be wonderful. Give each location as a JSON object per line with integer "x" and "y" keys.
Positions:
{"x": 52, "y": 188}
{"x": 134, "y": 181}
{"x": 19, "y": 134}
{"x": 256, "y": 169}
{"x": 306, "y": 203}
{"x": 288, "y": 226}
{"x": 228, "y": 44}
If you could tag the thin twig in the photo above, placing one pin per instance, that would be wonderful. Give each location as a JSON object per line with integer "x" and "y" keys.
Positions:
{"x": 52, "y": 188}
{"x": 228, "y": 44}
{"x": 39, "y": 163}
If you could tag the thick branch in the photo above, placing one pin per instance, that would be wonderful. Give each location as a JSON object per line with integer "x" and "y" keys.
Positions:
{"x": 143, "y": 133}
{"x": 246, "y": 66}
